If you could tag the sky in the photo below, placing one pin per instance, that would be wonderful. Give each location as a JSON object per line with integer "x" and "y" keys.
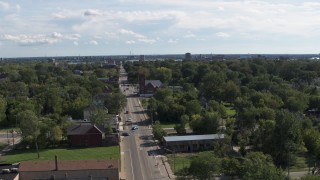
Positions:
{"x": 123, "y": 27}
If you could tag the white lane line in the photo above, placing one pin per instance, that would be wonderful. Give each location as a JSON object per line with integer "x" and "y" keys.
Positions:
{"x": 131, "y": 165}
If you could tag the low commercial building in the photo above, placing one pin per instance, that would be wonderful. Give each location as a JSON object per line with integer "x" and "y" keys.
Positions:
{"x": 191, "y": 143}
{"x": 64, "y": 170}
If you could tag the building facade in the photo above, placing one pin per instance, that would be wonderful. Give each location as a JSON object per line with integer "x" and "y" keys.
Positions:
{"x": 191, "y": 143}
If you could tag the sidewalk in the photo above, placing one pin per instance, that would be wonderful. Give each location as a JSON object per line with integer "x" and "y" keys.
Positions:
{"x": 167, "y": 167}
{"x": 122, "y": 173}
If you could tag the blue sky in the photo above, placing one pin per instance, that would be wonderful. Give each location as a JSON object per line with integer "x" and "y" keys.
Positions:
{"x": 112, "y": 27}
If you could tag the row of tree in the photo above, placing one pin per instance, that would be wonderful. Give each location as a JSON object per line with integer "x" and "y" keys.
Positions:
{"x": 43, "y": 96}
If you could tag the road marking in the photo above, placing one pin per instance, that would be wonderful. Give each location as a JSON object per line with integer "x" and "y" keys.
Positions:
{"x": 131, "y": 165}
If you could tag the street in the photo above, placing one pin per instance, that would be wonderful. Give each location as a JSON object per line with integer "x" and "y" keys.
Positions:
{"x": 142, "y": 160}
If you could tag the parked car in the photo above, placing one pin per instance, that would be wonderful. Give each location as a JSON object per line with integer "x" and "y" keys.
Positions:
{"x": 135, "y": 127}
{"x": 125, "y": 134}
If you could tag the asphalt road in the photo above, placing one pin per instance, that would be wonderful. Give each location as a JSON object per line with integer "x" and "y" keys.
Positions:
{"x": 142, "y": 160}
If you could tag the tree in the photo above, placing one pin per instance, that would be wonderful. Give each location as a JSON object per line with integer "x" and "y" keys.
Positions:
{"x": 193, "y": 107}
{"x": 29, "y": 126}
{"x": 3, "y": 107}
{"x": 230, "y": 167}
{"x": 158, "y": 132}
{"x": 204, "y": 166}
{"x": 256, "y": 165}
{"x": 287, "y": 137}
{"x": 181, "y": 128}
{"x": 56, "y": 134}
{"x": 98, "y": 114}
{"x": 115, "y": 102}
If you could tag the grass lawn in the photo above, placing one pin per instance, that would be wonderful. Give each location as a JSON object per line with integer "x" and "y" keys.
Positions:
{"x": 170, "y": 125}
{"x": 112, "y": 152}
{"x": 302, "y": 163}
{"x": 2, "y": 146}
{"x": 181, "y": 161}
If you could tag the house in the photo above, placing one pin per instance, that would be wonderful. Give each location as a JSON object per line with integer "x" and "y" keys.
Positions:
{"x": 69, "y": 169}
{"x": 86, "y": 134}
{"x": 148, "y": 87}
{"x": 191, "y": 143}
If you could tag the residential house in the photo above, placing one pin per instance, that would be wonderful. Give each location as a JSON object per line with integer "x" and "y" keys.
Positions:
{"x": 69, "y": 169}
{"x": 191, "y": 143}
{"x": 86, "y": 134}
{"x": 148, "y": 87}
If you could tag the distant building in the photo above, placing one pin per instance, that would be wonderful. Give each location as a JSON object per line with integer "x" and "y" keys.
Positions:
{"x": 142, "y": 58}
{"x": 67, "y": 169}
{"x": 148, "y": 87}
{"x": 188, "y": 57}
{"x": 191, "y": 143}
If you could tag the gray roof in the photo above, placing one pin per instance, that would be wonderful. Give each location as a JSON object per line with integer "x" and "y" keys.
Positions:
{"x": 194, "y": 137}
{"x": 154, "y": 83}
{"x": 83, "y": 128}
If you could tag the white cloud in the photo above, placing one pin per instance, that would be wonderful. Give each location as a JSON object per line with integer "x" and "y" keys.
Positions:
{"x": 56, "y": 35}
{"x": 26, "y": 40}
{"x": 128, "y": 32}
{"x": 147, "y": 41}
{"x": 93, "y": 42}
{"x": 222, "y": 35}
{"x": 4, "y": 5}
{"x": 173, "y": 41}
{"x": 38, "y": 39}
{"x": 72, "y": 36}
{"x": 75, "y": 43}
{"x": 189, "y": 35}
{"x": 130, "y": 42}
{"x": 18, "y": 7}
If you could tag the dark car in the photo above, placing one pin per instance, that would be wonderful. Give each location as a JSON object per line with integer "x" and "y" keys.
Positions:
{"x": 134, "y": 128}
{"x": 125, "y": 134}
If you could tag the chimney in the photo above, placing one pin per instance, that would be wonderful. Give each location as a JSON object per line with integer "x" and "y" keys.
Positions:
{"x": 56, "y": 162}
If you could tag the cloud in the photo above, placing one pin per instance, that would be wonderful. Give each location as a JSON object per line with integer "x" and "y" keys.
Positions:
{"x": 56, "y": 35}
{"x": 92, "y": 12}
{"x": 75, "y": 43}
{"x": 189, "y": 35}
{"x": 38, "y": 39}
{"x": 18, "y": 7}
{"x": 139, "y": 37}
{"x": 173, "y": 41}
{"x": 4, "y": 5}
{"x": 130, "y": 42}
{"x": 222, "y": 35}
{"x": 131, "y": 33}
{"x": 26, "y": 40}
{"x": 93, "y": 42}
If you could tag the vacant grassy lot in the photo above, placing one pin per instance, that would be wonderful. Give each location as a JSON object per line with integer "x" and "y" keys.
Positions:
{"x": 63, "y": 154}
{"x": 181, "y": 161}
{"x": 170, "y": 125}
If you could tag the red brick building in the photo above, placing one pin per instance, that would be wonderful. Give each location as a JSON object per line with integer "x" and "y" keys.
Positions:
{"x": 86, "y": 135}
{"x": 69, "y": 169}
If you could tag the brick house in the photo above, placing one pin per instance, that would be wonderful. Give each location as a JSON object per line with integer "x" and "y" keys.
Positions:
{"x": 85, "y": 134}
{"x": 69, "y": 169}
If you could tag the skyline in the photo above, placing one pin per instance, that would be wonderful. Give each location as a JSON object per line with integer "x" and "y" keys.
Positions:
{"x": 96, "y": 27}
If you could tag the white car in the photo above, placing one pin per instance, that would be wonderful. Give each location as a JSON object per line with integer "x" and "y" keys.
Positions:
{"x": 129, "y": 120}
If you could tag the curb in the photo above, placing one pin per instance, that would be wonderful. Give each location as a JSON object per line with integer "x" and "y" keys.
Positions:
{"x": 165, "y": 166}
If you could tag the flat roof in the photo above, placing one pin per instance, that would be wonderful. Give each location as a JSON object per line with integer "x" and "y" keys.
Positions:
{"x": 194, "y": 137}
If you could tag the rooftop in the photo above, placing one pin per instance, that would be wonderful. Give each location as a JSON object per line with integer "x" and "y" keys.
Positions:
{"x": 83, "y": 128}
{"x": 67, "y": 165}
{"x": 154, "y": 83}
{"x": 194, "y": 137}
